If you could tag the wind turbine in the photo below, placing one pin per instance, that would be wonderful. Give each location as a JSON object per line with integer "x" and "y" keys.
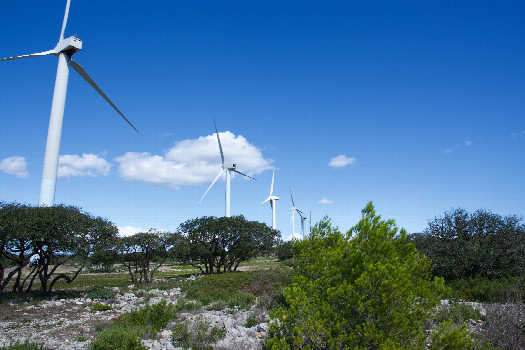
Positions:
{"x": 228, "y": 169}
{"x": 272, "y": 200}
{"x": 63, "y": 50}
{"x": 303, "y": 219}
{"x": 301, "y": 214}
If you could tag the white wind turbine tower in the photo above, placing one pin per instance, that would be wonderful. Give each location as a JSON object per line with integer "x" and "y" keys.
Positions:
{"x": 301, "y": 214}
{"x": 63, "y": 50}
{"x": 303, "y": 219}
{"x": 272, "y": 200}
{"x": 228, "y": 169}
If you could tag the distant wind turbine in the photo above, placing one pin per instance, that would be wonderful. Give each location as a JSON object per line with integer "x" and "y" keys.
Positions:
{"x": 303, "y": 219}
{"x": 64, "y": 50}
{"x": 301, "y": 214}
{"x": 272, "y": 200}
{"x": 228, "y": 170}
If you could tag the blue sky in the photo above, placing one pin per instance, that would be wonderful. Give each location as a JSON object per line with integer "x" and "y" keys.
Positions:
{"x": 417, "y": 106}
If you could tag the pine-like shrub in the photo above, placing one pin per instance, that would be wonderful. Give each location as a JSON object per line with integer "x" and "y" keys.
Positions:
{"x": 367, "y": 289}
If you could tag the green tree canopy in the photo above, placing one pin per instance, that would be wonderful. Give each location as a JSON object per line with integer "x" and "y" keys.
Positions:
{"x": 217, "y": 245}
{"x": 143, "y": 254}
{"x": 479, "y": 244}
{"x": 51, "y": 236}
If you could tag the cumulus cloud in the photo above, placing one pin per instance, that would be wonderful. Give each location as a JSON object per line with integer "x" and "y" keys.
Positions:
{"x": 193, "y": 161}
{"x": 15, "y": 165}
{"x": 341, "y": 161}
{"x": 468, "y": 143}
{"x": 87, "y": 165}
{"x": 326, "y": 201}
{"x": 129, "y": 230}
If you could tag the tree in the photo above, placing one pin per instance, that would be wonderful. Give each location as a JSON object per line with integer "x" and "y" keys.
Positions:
{"x": 15, "y": 244}
{"x": 50, "y": 237}
{"x": 216, "y": 245}
{"x": 480, "y": 244}
{"x": 143, "y": 254}
{"x": 366, "y": 289}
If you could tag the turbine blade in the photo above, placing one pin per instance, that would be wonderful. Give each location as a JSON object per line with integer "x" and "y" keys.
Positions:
{"x": 219, "y": 140}
{"x": 267, "y": 199}
{"x": 213, "y": 183}
{"x": 238, "y": 172}
{"x": 271, "y": 188}
{"x": 84, "y": 75}
{"x": 293, "y": 212}
{"x": 292, "y": 197}
{"x": 45, "y": 53}
{"x": 65, "y": 21}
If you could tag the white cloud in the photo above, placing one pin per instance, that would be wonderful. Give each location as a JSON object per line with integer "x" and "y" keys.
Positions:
{"x": 192, "y": 162}
{"x": 15, "y": 165}
{"x": 468, "y": 143}
{"x": 87, "y": 165}
{"x": 326, "y": 201}
{"x": 129, "y": 230}
{"x": 447, "y": 151}
{"x": 341, "y": 161}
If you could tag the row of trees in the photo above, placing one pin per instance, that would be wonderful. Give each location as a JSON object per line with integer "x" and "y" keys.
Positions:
{"x": 36, "y": 241}
{"x": 463, "y": 245}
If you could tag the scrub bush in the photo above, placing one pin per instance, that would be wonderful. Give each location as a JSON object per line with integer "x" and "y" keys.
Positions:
{"x": 367, "y": 289}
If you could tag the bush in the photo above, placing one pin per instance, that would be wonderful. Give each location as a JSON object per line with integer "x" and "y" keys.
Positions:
{"x": 121, "y": 337}
{"x": 481, "y": 244}
{"x": 482, "y": 289}
{"x": 505, "y": 326}
{"x": 151, "y": 319}
{"x": 100, "y": 293}
{"x": 447, "y": 336}
{"x": 130, "y": 328}
{"x": 196, "y": 335}
{"x": 241, "y": 288}
{"x": 23, "y": 346}
{"x": 368, "y": 289}
{"x": 284, "y": 251}
{"x": 100, "y": 307}
{"x": 458, "y": 313}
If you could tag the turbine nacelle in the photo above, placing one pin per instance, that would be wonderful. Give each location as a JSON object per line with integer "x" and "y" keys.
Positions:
{"x": 68, "y": 46}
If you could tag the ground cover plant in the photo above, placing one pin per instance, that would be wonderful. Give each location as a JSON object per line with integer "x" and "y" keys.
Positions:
{"x": 240, "y": 289}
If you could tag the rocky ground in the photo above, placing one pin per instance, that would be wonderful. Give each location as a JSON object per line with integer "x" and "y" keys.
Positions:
{"x": 73, "y": 323}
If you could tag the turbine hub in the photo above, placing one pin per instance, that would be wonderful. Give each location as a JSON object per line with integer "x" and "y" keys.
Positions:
{"x": 69, "y": 46}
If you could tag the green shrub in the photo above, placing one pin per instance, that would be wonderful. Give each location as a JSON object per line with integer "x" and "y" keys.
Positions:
{"x": 119, "y": 337}
{"x": 23, "y": 346}
{"x": 457, "y": 313}
{"x": 186, "y": 305}
{"x": 368, "y": 289}
{"x": 239, "y": 289}
{"x": 198, "y": 336}
{"x": 479, "y": 244}
{"x": 482, "y": 289}
{"x": 284, "y": 251}
{"x": 130, "y": 328}
{"x": 251, "y": 320}
{"x": 100, "y": 307}
{"x": 151, "y": 319}
{"x": 449, "y": 337}
{"x": 100, "y": 293}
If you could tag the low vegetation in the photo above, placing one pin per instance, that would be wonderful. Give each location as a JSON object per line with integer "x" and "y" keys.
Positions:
{"x": 372, "y": 287}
